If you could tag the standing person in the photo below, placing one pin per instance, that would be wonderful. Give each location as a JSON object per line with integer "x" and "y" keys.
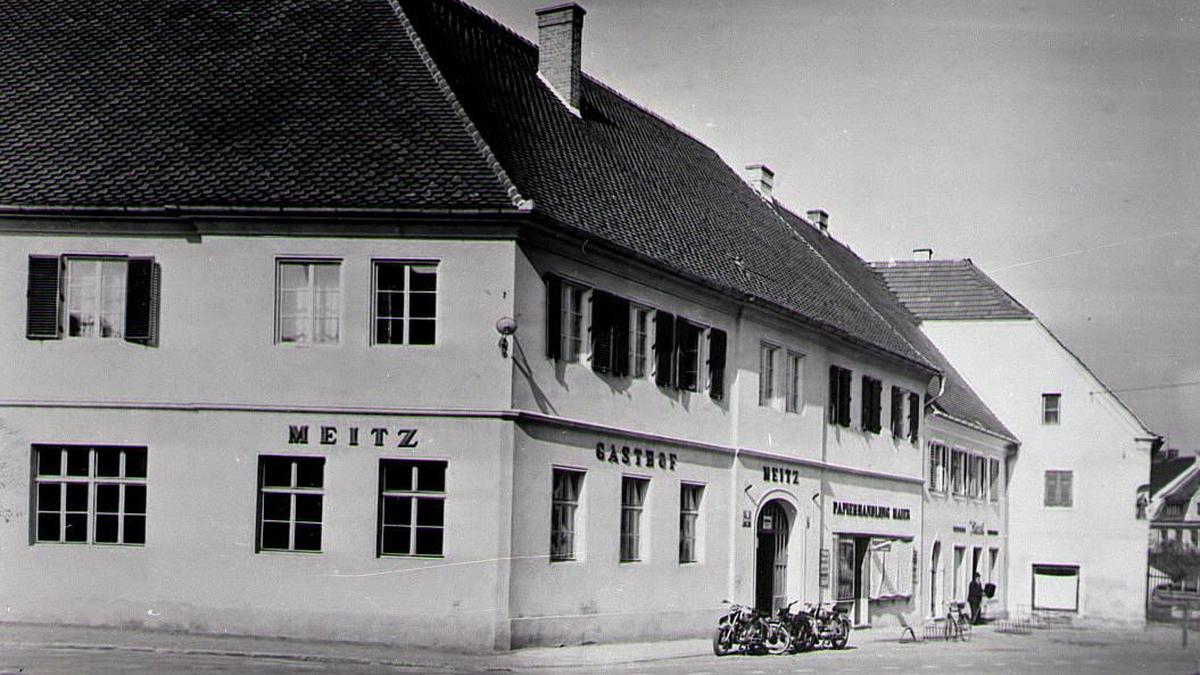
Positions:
{"x": 974, "y": 598}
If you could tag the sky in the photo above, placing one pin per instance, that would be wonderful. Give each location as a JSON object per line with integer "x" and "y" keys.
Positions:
{"x": 1057, "y": 145}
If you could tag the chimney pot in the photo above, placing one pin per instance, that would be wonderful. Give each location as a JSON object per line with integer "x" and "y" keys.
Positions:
{"x": 820, "y": 219}
{"x": 761, "y": 178}
{"x": 560, "y": 50}
{"x": 922, "y": 254}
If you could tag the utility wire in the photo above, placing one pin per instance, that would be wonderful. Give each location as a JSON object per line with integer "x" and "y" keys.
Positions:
{"x": 1153, "y": 387}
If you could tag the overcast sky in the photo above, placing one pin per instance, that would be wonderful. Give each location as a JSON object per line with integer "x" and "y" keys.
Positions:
{"x": 1055, "y": 144}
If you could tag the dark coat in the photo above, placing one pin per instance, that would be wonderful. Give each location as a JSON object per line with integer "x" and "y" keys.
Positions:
{"x": 975, "y": 592}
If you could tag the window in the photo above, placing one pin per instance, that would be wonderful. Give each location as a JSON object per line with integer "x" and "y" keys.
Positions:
{"x": 1051, "y": 408}
{"x": 937, "y": 467}
{"x": 897, "y": 412}
{"x": 566, "y": 489}
{"x": 572, "y": 322}
{"x": 309, "y": 302}
{"x": 687, "y": 336}
{"x": 716, "y": 363}
{"x": 766, "y": 373}
{"x": 610, "y": 333}
{"x": 872, "y": 404}
{"x": 690, "y": 497}
{"x": 412, "y": 507}
{"x": 795, "y": 382}
{"x": 1058, "y": 488}
{"x": 290, "y": 500}
{"x": 103, "y": 298}
{"x": 633, "y": 498}
{"x": 90, "y": 495}
{"x": 993, "y": 480}
{"x": 639, "y": 335}
{"x": 914, "y": 417}
{"x": 405, "y": 303}
{"x": 958, "y": 475}
{"x": 839, "y": 396}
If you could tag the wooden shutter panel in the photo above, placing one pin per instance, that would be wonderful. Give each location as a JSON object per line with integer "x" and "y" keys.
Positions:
{"x": 716, "y": 363}
{"x": 42, "y": 299}
{"x": 684, "y": 335}
{"x": 866, "y": 403}
{"x": 141, "y": 301}
{"x": 602, "y": 332}
{"x": 845, "y": 379}
{"x": 914, "y": 417}
{"x": 834, "y": 389}
{"x": 553, "y": 316}
{"x": 619, "y": 311}
{"x": 1064, "y": 489}
{"x": 664, "y": 348}
{"x": 1051, "y": 489}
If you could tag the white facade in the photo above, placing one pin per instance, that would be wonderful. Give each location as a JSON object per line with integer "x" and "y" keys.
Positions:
{"x": 1086, "y": 558}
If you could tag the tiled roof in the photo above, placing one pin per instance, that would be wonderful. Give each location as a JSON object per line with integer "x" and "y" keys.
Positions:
{"x": 958, "y": 400}
{"x": 1164, "y": 471}
{"x": 949, "y": 289}
{"x": 277, "y": 103}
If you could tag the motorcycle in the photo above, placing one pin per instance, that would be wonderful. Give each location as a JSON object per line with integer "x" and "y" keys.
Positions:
{"x": 830, "y": 624}
{"x": 800, "y": 623}
{"x": 746, "y": 629}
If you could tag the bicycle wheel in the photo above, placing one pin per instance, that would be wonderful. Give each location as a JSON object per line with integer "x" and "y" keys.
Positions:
{"x": 778, "y": 639}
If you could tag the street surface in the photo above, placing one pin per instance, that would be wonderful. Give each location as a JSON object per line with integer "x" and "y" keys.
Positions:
{"x": 33, "y": 649}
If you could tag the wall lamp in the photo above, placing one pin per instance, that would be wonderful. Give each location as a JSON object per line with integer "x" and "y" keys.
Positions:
{"x": 505, "y": 326}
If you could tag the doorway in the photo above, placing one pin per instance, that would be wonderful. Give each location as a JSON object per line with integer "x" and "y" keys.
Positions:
{"x": 772, "y": 558}
{"x": 935, "y": 602}
{"x": 851, "y": 560}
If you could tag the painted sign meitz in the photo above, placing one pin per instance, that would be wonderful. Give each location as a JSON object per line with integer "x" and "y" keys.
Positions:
{"x": 298, "y": 435}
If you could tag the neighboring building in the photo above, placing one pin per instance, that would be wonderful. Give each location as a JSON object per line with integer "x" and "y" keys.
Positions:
{"x": 1076, "y": 541}
{"x": 1174, "y": 502}
{"x": 263, "y": 252}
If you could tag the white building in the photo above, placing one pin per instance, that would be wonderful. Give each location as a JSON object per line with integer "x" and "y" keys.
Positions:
{"x": 1077, "y": 542}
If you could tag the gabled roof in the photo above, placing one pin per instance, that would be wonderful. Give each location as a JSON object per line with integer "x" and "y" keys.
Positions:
{"x": 949, "y": 289}
{"x": 958, "y": 400}
{"x": 1163, "y": 472}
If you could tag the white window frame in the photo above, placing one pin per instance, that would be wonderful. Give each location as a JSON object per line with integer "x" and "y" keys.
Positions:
{"x": 767, "y": 367}
{"x": 939, "y": 482}
{"x": 1051, "y": 414}
{"x": 117, "y": 318}
{"x": 1046, "y": 501}
{"x": 311, "y": 317}
{"x": 407, "y": 293}
{"x": 92, "y": 482}
{"x": 701, "y": 353}
{"x": 631, "y": 540}
{"x": 414, "y": 496}
{"x": 794, "y": 401}
{"x": 574, "y": 303}
{"x": 958, "y": 476}
{"x": 641, "y": 341}
{"x": 694, "y": 516}
{"x": 292, "y": 491}
{"x": 570, "y": 506}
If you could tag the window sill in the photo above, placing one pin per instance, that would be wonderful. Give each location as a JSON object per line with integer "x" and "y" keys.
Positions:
{"x": 425, "y": 556}
{"x": 86, "y": 543}
{"x": 279, "y": 551}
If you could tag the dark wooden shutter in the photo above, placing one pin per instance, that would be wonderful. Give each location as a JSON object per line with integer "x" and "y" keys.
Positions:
{"x": 42, "y": 296}
{"x": 602, "y": 332}
{"x": 865, "y": 419}
{"x": 620, "y": 332}
{"x": 845, "y": 377}
{"x": 553, "y": 316}
{"x": 835, "y": 380}
{"x": 664, "y": 348}
{"x": 716, "y": 363}
{"x": 685, "y": 338}
{"x": 914, "y": 417}
{"x": 141, "y": 301}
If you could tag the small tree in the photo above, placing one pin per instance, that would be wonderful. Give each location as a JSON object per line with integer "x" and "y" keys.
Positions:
{"x": 1175, "y": 560}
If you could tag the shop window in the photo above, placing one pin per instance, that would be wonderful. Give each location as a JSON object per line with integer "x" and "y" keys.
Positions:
{"x": 1059, "y": 488}
{"x": 1056, "y": 587}
{"x": 839, "y": 396}
{"x": 716, "y": 363}
{"x": 1051, "y": 408}
{"x": 639, "y": 335}
{"x": 89, "y": 495}
{"x": 412, "y": 507}
{"x": 290, "y": 503}
{"x": 795, "y": 382}
{"x": 872, "y": 404}
{"x": 937, "y": 467}
{"x": 405, "y": 303}
{"x": 897, "y": 412}
{"x": 690, "y": 497}
{"x": 308, "y": 303}
{"x": 633, "y": 498}
{"x": 566, "y": 488}
{"x": 766, "y": 373}
{"x": 993, "y": 480}
{"x": 105, "y": 297}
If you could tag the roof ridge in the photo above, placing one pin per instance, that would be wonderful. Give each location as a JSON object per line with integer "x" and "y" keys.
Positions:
{"x": 443, "y": 86}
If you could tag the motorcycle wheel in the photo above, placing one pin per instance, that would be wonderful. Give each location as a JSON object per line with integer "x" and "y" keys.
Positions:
{"x": 803, "y": 638}
{"x": 843, "y": 634}
{"x": 723, "y": 640}
{"x": 778, "y": 639}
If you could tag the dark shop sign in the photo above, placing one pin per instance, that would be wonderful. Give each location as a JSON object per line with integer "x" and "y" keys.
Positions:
{"x": 298, "y": 434}
{"x": 775, "y": 474}
{"x": 870, "y": 511}
{"x": 630, "y": 456}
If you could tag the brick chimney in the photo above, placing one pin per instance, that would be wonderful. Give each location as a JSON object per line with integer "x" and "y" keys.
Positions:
{"x": 761, "y": 178}
{"x": 819, "y": 219}
{"x": 560, "y": 50}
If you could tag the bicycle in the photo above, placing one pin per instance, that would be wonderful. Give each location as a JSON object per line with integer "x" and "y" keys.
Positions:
{"x": 958, "y": 622}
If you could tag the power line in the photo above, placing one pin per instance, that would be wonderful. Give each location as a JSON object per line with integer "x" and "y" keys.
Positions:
{"x": 1153, "y": 387}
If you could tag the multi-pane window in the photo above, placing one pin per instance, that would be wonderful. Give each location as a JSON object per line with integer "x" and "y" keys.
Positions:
{"x": 290, "y": 501}
{"x": 795, "y": 382}
{"x": 958, "y": 474}
{"x": 309, "y": 302}
{"x": 567, "y": 486}
{"x": 993, "y": 479}
{"x": 972, "y": 476}
{"x": 1051, "y": 404}
{"x": 839, "y": 396}
{"x": 639, "y": 337}
{"x": 687, "y": 343}
{"x": 405, "y": 303}
{"x": 872, "y": 404}
{"x": 571, "y": 338}
{"x": 96, "y": 297}
{"x": 90, "y": 495}
{"x": 1058, "y": 488}
{"x": 766, "y": 373}
{"x": 937, "y": 467}
{"x": 690, "y": 497}
{"x": 633, "y": 498}
{"x": 412, "y": 507}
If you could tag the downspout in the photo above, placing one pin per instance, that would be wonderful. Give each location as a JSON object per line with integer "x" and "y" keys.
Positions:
{"x": 821, "y": 542}
{"x": 735, "y": 410}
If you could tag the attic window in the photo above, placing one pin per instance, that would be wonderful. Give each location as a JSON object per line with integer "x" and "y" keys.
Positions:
{"x": 1051, "y": 408}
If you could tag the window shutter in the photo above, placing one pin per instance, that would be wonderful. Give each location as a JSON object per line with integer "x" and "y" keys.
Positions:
{"x": 1064, "y": 488}
{"x": 619, "y": 315}
{"x": 683, "y": 336}
{"x": 844, "y": 380}
{"x": 42, "y": 296}
{"x": 834, "y": 399}
{"x": 664, "y": 348}
{"x": 602, "y": 332}
{"x": 716, "y": 363}
{"x": 553, "y": 316}
{"x": 141, "y": 301}
{"x": 914, "y": 417}
{"x": 1051, "y": 489}
{"x": 866, "y": 403}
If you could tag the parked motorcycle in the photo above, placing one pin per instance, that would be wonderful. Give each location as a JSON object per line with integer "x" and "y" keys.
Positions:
{"x": 800, "y": 623}
{"x": 745, "y": 629}
{"x": 831, "y": 626}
